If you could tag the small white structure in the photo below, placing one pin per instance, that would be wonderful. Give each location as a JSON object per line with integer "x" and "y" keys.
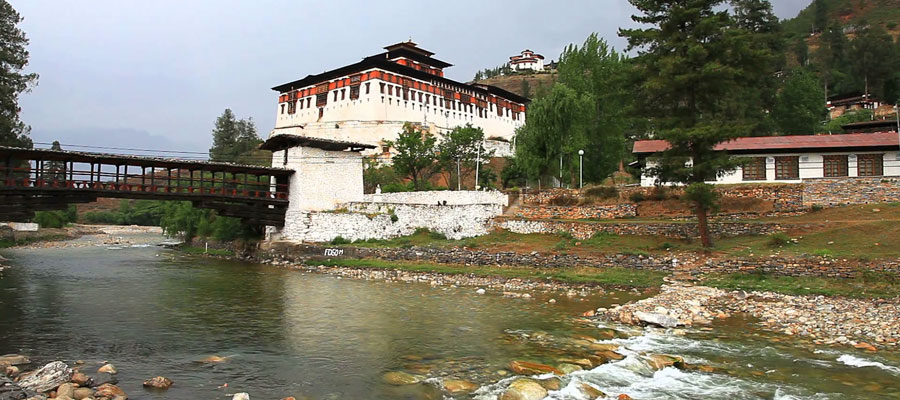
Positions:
{"x": 791, "y": 159}
{"x": 527, "y": 61}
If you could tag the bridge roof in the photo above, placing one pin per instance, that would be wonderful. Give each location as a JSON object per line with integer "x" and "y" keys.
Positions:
{"x": 138, "y": 161}
{"x": 282, "y": 141}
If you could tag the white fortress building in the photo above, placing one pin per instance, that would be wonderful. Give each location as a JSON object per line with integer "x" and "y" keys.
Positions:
{"x": 528, "y": 60}
{"x": 369, "y": 102}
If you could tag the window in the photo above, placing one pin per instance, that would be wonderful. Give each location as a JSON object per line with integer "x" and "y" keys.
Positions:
{"x": 870, "y": 164}
{"x": 343, "y": 94}
{"x": 354, "y": 92}
{"x": 308, "y": 102}
{"x": 755, "y": 169}
{"x": 382, "y": 87}
{"x": 335, "y": 95}
{"x": 301, "y": 104}
{"x": 282, "y": 108}
{"x": 292, "y": 106}
{"x": 787, "y": 167}
{"x": 321, "y": 99}
{"x": 390, "y": 90}
{"x": 367, "y": 87}
{"x": 834, "y": 165}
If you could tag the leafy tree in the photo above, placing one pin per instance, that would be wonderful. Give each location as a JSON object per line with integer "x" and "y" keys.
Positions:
{"x": 376, "y": 174}
{"x": 414, "y": 156}
{"x": 821, "y": 16}
{"x": 463, "y": 146}
{"x": 237, "y": 141}
{"x": 13, "y": 81}
{"x": 872, "y": 60}
{"x": 513, "y": 174}
{"x": 56, "y": 218}
{"x": 834, "y": 125}
{"x": 526, "y": 89}
{"x": 55, "y": 171}
{"x": 181, "y": 219}
{"x": 697, "y": 65}
{"x": 800, "y": 105}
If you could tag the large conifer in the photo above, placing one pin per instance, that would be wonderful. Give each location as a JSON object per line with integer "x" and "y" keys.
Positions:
{"x": 13, "y": 80}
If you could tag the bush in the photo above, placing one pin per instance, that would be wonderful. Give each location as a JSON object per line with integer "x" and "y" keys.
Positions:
{"x": 57, "y": 218}
{"x": 816, "y": 208}
{"x": 340, "y": 240}
{"x": 659, "y": 193}
{"x": 779, "y": 239}
{"x": 602, "y": 192}
{"x": 637, "y": 197}
{"x": 564, "y": 201}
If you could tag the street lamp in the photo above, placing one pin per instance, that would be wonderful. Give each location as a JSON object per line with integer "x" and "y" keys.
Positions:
{"x": 580, "y": 169}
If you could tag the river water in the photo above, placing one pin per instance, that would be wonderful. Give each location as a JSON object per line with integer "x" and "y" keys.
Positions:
{"x": 153, "y": 311}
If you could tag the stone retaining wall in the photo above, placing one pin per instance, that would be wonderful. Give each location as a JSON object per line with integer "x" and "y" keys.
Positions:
{"x": 586, "y": 230}
{"x": 613, "y": 211}
{"x": 856, "y": 190}
{"x": 451, "y": 197}
{"x": 690, "y": 263}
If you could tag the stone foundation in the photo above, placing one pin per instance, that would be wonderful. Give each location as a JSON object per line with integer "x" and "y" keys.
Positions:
{"x": 613, "y": 211}
{"x": 827, "y": 192}
{"x": 586, "y": 230}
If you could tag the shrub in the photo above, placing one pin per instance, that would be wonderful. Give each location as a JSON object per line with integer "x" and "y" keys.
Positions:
{"x": 816, "y": 208}
{"x": 340, "y": 240}
{"x": 637, "y": 197}
{"x": 779, "y": 239}
{"x": 659, "y": 193}
{"x": 665, "y": 246}
{"x": 823, "y": 253}
{"x": 564, "y": 201}
{"x": 602, "y": 192}
{"x": 394, "y": 217}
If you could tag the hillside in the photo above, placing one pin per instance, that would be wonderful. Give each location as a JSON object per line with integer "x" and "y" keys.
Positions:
{"x": 513, "y": 83}
{"x": 848, "y": 14}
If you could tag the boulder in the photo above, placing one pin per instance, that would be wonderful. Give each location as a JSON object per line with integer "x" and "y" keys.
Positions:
{"x": 609, "y": 355}
{"x": 11, "y": 391}
{"x": 524, "y": 389}
{"x": 12, "y": 371}
{"x": 530, "y": 368}
{"x": 66, "y": 389}
{"x": 159, "y": 382}
{"x": 214, "y": 359}
{"x": 567, "y": 368}
{"x": 400, "y": 378}
{"x": 624, "y": 396}
{"x": 83, "y": 393}
{"x": 109, "y": 369}
{"x": 582, "y": 362}
{"x": 660, "y": 361}
{"x": 102, "y": 379}
{"x": 81, "y": 379}
{"x": 58, "y": 397}
{"x": 13, "y": 359}
{"x": 664, "y": 321}
{"x": 48, "y": 377}
{"x": 590, "y": 391}
{"x": 110, "y": 391}
{"x": 551, "y": 383}
{"x": 457, "y": 386}
{"x": 240, "y": 396}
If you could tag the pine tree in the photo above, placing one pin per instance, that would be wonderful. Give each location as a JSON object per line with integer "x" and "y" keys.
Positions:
{"x": 526, "y": 89}
{"x": 821, "y": 16}
{"x": 800, "y": 105}
{"x": 13, "y": 81}
{"x": 55, "y": 171}
{"x": 236, "y": 141}
{"x": 697, "y": 65}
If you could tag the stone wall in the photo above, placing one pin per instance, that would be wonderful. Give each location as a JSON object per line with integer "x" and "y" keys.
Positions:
{"x": 451, "y": 197}
{"x": 690, "y": 263}
{"x": 363, "y": 221}
{"x": 613, "y": 211}
{"x": 857, "y": 190}
{"x": 675, "y": 230}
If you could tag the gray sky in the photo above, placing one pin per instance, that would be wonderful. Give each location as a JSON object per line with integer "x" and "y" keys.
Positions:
{"x": 156, "y": 74}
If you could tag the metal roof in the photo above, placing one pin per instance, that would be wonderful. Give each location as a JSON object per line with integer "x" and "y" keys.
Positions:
{"x": 284, "y": 140}
{"x": 772, "y": 144}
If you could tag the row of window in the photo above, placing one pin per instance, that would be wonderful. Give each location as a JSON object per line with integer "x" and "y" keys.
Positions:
{"x": 788, "y": 167}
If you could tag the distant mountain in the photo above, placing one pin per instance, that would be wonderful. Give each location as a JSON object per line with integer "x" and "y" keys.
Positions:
{"x": 849, "y": 14}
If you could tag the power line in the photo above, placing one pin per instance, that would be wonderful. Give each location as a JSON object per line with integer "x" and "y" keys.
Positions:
{"x": 123, "y": 148}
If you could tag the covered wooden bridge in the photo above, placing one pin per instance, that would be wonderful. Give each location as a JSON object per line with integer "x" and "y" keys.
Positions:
{"x": 38, "y": 179}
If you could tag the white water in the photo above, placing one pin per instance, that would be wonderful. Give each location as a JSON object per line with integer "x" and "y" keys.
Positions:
{"x": 854, "y": 361}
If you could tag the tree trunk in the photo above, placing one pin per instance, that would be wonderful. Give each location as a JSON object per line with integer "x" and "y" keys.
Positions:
{"x": 703, "y": 225}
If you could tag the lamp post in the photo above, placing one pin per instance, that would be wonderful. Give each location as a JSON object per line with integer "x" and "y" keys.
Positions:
{"x": 580, "y": 169}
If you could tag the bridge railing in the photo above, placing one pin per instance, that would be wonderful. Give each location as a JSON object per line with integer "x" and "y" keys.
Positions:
{"x": 197, "y": 182}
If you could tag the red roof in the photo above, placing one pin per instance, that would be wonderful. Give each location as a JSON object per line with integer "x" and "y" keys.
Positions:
{"x": 797, "y": 142}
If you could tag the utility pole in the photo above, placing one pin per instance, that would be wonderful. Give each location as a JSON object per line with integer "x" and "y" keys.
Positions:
{"x": 458, "y": 178}
{"x": 478, "y": 164}
{"x": 580, "y": 169}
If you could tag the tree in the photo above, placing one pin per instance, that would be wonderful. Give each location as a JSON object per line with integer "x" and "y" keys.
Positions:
{"x": 821, "y": 16}
{"x": 800, "y": 105}
{"x": 871, "y": 60}
{"x": 801, "y": 51}
{"x": 13, "y": 81}
{"x": 696, "y": 67}
{"x": 55, "y": 171}
{"x": 237, "y": 141}
{"x": 829, "y": 61}
{"x": 463, "y": 147}
{"x": 526, "y": 89}
{"x": 415, "y": 156}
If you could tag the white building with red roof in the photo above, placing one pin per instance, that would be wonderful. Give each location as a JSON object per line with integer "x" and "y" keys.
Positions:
{"x": 792, "y": 159}
{"x": 527, "y": 61}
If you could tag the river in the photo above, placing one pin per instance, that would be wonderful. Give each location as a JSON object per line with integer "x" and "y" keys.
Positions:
{"x": 154, "y": 311}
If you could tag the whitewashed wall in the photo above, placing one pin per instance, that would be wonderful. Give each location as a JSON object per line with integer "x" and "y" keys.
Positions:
{"x": 374, "y": 221}
{"x": 452, "y": 197}
{"x": 811, "y": 166}
{"x": 322, "y": 179}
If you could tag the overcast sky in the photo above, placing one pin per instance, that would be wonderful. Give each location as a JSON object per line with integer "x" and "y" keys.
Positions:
{"x": 156, "y": 74}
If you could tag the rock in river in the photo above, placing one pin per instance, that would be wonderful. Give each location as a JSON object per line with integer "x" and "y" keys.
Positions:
{"x": 13, "y": 359}
{"x": 83, "y": 393}
{"x": 400, "y": 378}
{"x": 65, "y": 390}
{"x": 81, "y": 379}
{"x": 664, "y": 321}
{"x": 159, "y": 382}
{"x": 109, "y": 369}
{"x": 456, "y": 386}
{"x": 48, "y": 377}
{"x": 240, "y": 396}
{"x": 524, "y": 389}
{"x": 111, "y": 391}
{"x": 530, "y": 368}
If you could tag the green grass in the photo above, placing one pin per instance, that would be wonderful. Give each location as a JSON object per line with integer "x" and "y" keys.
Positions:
{"x": 603, "y": 276}
{"x": 867, "y": 285}
{"x": 6, "y": 243}
{"x": 201, "y": 250}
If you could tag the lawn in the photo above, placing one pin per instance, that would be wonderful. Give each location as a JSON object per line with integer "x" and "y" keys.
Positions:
{"x": 867, "y": 285}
